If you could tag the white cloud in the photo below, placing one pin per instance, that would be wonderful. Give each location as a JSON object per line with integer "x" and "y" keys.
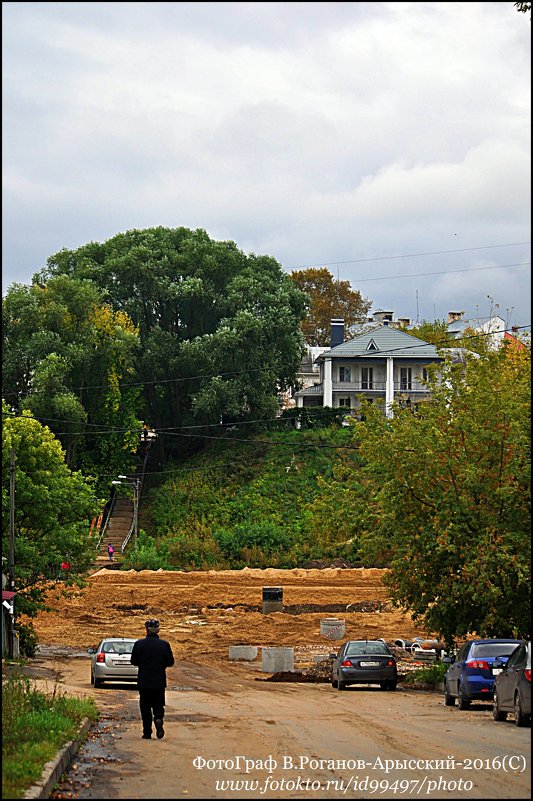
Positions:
{"x": 309, "y": 131}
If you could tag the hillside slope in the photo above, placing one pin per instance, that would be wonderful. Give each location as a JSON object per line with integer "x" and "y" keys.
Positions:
{"x": 253, "y": 503}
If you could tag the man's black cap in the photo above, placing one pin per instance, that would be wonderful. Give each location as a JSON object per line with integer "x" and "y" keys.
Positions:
{"x": 152, "y": 624}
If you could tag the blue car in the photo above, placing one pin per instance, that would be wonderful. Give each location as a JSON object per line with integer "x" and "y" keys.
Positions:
{"x": 471, "y": 676}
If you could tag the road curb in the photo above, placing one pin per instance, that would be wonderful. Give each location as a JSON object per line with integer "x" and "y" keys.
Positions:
{"x": 54, "y": 769}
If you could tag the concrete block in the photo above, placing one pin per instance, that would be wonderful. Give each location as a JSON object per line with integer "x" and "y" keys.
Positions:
{"x": 246, "y": 653}
{"x": 277, "y": 660}
{"x": 271, "y": 606}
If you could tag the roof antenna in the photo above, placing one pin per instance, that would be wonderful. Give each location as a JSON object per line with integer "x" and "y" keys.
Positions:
{"x": 417, "y": 306}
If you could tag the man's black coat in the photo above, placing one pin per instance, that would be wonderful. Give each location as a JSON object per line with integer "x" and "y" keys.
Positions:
{"x": 152, "y": 656}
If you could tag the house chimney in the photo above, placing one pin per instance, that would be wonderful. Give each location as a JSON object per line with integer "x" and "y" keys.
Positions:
{"x": 453, "y": 316}
{"x": 380, "y": 315}
{"x": 337, "y": 331}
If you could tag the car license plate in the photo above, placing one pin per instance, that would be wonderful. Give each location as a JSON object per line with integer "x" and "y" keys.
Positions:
{"x": 121, "y": 662}
{"x": 369, "y": 664}
{"x": 496, "y": 671}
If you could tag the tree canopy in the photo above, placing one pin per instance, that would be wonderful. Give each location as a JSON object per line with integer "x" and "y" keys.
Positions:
{"x": 68, "y": 357}
{"x": 53, "y": 507}
{"x": 219, "y": 330}
{"x": 328, "y": 299}
{"x": 448, "y": 501}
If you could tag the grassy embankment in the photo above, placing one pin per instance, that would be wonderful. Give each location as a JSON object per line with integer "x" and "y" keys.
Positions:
{"x": 35, "y": 726}
{"x": 274, "y": 501}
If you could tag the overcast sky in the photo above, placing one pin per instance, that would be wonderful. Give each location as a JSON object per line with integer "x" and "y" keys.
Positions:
{"x": 322, "y": 134}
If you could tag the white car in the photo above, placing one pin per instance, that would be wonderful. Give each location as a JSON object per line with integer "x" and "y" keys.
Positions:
{"x": 111, "y": 661}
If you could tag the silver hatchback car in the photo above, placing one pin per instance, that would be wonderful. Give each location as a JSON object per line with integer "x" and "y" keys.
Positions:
{"x": 111, "y": 661}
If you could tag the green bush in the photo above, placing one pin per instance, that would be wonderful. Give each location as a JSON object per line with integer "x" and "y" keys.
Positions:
{"x": 432, "y": 674}
{"x": 147, "y": 554}
{"x": 195, "y": 552}
{"x": 28, "y": 639}
{"x": 253, "y": 543}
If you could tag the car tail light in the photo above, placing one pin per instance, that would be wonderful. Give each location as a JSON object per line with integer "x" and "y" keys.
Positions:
{"x": 100, "y": 657}
{"x": 346, "y": 663}
{"x": 390, "y": 663}
{"x": 480, "y": 664}
{"x": 527, "y": 674}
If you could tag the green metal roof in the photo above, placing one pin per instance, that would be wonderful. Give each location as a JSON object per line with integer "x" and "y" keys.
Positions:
{"x": 383, "y": 341}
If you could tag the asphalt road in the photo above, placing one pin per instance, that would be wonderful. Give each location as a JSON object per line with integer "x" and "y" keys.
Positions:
{"x": 230, "y": 734}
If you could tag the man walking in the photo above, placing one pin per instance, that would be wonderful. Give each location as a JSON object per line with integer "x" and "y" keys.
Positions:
{"x": 152, "y": 656}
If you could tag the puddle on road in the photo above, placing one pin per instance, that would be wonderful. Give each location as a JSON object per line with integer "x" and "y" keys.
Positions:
{"x": 97, "y": 750}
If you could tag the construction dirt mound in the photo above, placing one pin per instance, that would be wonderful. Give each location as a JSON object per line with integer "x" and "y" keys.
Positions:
{"x": 203, "y": 613}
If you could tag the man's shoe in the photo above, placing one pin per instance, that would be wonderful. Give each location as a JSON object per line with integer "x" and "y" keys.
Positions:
{"x": 159, "y": 728}
{"x": 147, "y": 737}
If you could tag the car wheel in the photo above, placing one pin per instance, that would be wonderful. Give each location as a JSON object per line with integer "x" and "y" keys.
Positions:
{"x": 391, "y": 685}
{"x": 334, "y": 682}
{"x": 98, "y": 682}
{"x": 497, "y": 713}
{"x": 464, "y": 702}
{"x": 92, "y": 678}
{"x": 449, "y": 700}
{"x": 519, "y": 718}
{"x": 341, "y": 685}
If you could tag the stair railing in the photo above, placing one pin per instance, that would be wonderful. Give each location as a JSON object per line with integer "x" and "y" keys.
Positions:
{"x": 103, "y": 530}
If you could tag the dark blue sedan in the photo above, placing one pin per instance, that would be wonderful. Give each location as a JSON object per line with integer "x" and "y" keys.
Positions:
{"x": 364, "y": 662}
{"x": 471, "y": 676}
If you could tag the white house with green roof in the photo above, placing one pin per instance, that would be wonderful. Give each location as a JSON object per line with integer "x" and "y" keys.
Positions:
{"x": 380, "y": 365}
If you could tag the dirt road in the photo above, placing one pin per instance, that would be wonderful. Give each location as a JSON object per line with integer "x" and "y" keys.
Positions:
{"x": 231, "y": 734}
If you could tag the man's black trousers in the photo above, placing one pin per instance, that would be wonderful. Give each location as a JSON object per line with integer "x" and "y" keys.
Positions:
{"x": 152, "y": 705}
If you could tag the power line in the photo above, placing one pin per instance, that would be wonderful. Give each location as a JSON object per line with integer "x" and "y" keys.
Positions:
{"x": 443, "y": 272}
{"x": 171, "y": 431}
{"x": 262, "y": 369}
{"x": 407, "y": 255}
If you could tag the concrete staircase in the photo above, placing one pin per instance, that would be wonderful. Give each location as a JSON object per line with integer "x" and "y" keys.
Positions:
{"x": 117, "y": 530}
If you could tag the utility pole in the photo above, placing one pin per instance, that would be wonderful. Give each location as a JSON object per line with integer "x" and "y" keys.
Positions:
{"x": 11, "y": 553}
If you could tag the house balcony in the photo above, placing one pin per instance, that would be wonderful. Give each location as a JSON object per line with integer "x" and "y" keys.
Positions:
{"x": 379, "y": 386}
{"x": 359, "y": 386}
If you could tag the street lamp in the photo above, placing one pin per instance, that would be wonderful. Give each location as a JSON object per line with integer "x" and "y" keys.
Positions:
{"x": 136, "y": 484}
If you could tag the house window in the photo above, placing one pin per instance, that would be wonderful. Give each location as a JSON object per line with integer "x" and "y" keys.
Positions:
{"x": 344, "y": 402}
{"x": 367, "y": 377}
{"x": 345, "y": 374}
{"x": 405, "y": 378}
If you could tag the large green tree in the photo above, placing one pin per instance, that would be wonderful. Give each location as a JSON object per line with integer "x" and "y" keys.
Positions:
{"x": 52, "y": 508}
{"x": 67, "y": 357}
{"x": 328, "y": 299}
{"x": 448, "y": 504}
{"x": 219, "y": 329}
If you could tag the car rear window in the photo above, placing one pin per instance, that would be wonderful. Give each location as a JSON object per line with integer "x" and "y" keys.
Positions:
{"x": 362, "y": 648}
{"x": 117, "y": 647}
{"x": 494, "y": 649}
